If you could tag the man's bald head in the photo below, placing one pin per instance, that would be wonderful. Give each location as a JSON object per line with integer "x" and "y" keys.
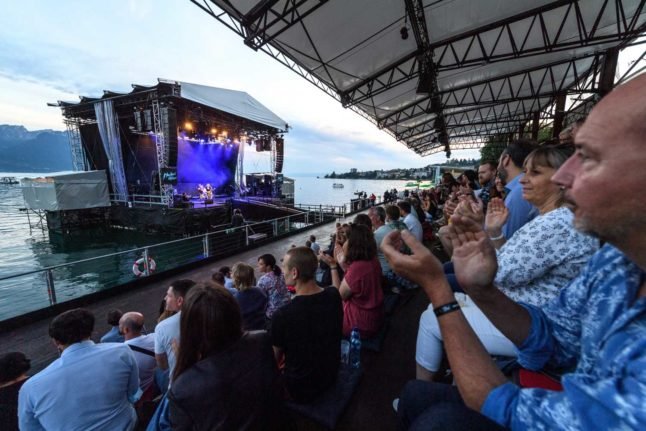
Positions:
{"x": 624, "y": 109}
{"x": 131, "y": 324}
{"x": 604, "y": 180}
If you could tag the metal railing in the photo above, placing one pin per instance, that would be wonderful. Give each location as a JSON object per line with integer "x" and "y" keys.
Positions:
{"x": 137, "y": 200}
{"x": 32, "y": 290}
{"x": 323, "y": 210}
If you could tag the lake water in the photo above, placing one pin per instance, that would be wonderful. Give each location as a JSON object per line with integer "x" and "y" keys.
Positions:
{"x": 22, "y": 249}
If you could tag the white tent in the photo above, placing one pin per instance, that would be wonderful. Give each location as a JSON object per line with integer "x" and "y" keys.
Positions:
{"x": 79, "y": 190}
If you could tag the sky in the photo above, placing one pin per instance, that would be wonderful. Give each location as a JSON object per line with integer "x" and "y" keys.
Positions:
{"x": 58, "y": 50}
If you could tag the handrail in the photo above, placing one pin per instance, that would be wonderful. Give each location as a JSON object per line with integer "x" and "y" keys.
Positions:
{"x": 48, "y": 286}
{"x": 175, "y": 241}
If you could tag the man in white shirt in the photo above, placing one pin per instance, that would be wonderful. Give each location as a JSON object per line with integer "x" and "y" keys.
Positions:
{"x": 167, "y": 331}
{"x": 316, "y": 248}
{"x": 414, "y": 226}
{"x": 131, "y": 326}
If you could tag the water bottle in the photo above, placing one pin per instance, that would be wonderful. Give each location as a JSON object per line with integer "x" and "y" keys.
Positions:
{"x": 355, "y": 348}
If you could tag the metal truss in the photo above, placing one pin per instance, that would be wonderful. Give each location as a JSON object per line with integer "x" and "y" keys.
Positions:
{"x": 161, "y": 149}
{"x": 240, "y": 171}
{"x": 79, "y": 161}
{"x": 490, "y": 90}
{"x": 427, "y": 68}
{"x": 510, "y": 41}
{"x": 527, "y": 34}
{"x": 531, "y": 85}
{"x": 236, "y": 26}
{"x": 456, "y": 144}
{"x": 263, "y": 24}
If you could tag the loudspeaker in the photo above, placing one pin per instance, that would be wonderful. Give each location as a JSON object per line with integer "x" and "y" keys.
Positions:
{"x": 266, "y": 145}
{"x": 138, "y": 121}
{"x": 148, "y": 120}
{"x": 169, "y": 128}
{"x": 280, "y": 151}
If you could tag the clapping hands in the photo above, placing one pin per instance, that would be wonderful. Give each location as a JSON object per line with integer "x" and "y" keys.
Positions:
{"x": 497, "y": 214}
{"x": 474, "y": 256}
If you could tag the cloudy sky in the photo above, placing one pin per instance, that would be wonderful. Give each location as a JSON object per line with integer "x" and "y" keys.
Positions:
{"x": 58, "y": 50}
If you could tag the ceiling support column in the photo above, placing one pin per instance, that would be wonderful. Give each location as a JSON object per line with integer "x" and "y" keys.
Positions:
{"x": 536, "y": 117}
{"x": 608, "y": 69}
{"x": 559, "y": 115}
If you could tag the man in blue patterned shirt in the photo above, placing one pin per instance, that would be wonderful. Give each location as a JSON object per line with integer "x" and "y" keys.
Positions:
{"x": 596, "y": 328}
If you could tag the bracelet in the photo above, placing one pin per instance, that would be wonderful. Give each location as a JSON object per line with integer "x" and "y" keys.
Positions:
{"x": 446, "y": 308}
{"x": 333, "y": 267}
{"x": 499, "y": 237}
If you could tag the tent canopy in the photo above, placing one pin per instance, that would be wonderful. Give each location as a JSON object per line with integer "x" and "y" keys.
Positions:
{"x": 238, "y": 103}
{"x": 434, "y": 72}
{"x": 234, "y": 102}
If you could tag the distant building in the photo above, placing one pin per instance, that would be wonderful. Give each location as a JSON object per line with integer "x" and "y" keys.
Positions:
{"x": 420, "y": 173}
{"x": 353, "y": 170}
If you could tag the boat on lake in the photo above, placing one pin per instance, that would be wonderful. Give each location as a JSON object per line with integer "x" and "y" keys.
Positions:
{"x": 337, "y": 185}
{"x": 8, "y": 180}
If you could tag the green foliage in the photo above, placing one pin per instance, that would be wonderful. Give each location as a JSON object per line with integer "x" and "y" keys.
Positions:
{"x": 544, "y": 134}
{"x": 493, "y": 148}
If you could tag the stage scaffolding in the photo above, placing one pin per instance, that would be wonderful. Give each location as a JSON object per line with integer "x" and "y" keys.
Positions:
{"x": 154, "y": 118}
{"x": 74, "y": 135}
{"x": 165, "y": 190}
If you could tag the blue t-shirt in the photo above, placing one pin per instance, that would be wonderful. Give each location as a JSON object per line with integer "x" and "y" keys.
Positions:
{"x": 520, "y": 211}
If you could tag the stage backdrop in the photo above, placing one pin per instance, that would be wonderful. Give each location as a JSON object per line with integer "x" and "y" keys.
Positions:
{"x": 201, "y": 163}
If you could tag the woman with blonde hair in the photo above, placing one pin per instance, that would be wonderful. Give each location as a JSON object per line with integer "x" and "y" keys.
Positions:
{"x": 539, "y": 260}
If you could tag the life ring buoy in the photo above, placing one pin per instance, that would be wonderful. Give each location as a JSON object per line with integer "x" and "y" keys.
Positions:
{"x": 152, "y": 266}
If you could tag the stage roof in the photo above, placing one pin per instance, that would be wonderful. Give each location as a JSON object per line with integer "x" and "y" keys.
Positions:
{"x": 233, "y": 102}
{"x": 461, "y": 70}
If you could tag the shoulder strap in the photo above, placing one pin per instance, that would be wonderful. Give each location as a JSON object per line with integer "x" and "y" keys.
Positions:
{"x": 142, "y": 350}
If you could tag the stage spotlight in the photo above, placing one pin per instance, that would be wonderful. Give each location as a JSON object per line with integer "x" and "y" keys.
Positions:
{"x": 188, "y": 125}
{"x": 214, "y": 131}
{"x": 404, "y": 33}
{"x": 224, "y": 132}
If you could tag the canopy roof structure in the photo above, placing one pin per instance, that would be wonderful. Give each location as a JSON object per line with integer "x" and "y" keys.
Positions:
{"x": 444, "y": 74}
{"x": 237, "y": 103}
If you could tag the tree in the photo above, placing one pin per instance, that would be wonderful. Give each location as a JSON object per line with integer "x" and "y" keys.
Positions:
{"x": 544, "y": 134}
{"x": 493, "y": 148}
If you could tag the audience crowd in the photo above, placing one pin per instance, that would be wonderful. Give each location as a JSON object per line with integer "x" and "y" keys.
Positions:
{"x": 546, "y": 269}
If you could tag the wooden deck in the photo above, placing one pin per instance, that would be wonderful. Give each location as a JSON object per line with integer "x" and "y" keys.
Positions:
{"x": 385, "y": 373}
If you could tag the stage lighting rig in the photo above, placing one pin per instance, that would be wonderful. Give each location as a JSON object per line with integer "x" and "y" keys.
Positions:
{"x": 404, "y": 30}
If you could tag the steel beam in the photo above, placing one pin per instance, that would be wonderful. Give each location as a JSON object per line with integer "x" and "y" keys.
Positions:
{"x": 449, "y": 55}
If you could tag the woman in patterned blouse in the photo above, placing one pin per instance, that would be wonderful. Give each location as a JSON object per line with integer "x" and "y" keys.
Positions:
{"x": 272, "y": 282}
{"x": 533, "y": 265}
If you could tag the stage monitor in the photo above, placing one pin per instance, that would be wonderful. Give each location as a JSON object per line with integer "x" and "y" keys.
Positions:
{"x": 206, "y": 163}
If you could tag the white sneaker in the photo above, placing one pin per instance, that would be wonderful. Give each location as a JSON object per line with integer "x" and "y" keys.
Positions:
{"x": 396, "y": 404}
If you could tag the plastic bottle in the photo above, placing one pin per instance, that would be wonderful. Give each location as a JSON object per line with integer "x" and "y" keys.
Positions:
{"x": 355, "y": 348}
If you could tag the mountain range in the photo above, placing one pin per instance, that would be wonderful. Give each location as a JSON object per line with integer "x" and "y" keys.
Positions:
{"x": 22, "y": 150}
